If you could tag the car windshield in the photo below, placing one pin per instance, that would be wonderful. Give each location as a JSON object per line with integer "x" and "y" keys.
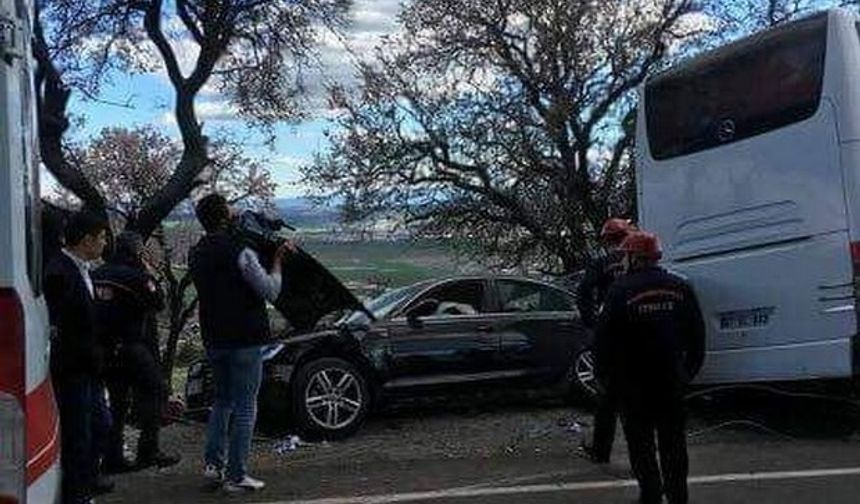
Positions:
{"x": 383, "y": 304}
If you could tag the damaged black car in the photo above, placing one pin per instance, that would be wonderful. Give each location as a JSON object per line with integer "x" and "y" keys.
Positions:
{"x": 323, "y": 379}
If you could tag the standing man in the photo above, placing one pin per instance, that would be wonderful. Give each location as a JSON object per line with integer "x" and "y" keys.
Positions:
{"x": 651, "y": 344}
{"x": 233, "y": 289}
{"x": 128, "y": 298}
{"x": 77, "y": 358}
{"x": 590, "y": 295}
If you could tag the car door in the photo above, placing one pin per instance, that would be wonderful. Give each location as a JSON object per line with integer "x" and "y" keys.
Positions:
{"x": 455, "y": 343}
{"x": 538, "y": 327}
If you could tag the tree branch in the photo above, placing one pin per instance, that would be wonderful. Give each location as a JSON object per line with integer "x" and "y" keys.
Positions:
{"x": 52, "y": 98}
{"x": 183, "y": 9}
{"x": 152, "y": 24}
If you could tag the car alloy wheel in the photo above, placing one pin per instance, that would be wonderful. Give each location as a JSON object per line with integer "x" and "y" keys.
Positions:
{"x": 583, "y": 373}
{"x": 333, "y": 398}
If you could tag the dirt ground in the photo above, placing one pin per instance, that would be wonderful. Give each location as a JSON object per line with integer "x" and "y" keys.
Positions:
{"x": 516, "y": 435}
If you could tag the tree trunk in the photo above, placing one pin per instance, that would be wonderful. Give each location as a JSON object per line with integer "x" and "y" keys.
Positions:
{"x": 180, "y": 185}
{"x": 178, "y": 311}
{"x": 52, "y": 99}
{"x": 178, "y": 320}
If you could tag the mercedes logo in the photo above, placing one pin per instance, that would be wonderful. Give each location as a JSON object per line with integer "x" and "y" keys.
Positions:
{"x": 726, "y": 130}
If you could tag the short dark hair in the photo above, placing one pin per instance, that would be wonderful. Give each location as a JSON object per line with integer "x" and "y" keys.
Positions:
{"x": 212, "y": 211}
{"x": 127, "y": 248}
{"x": 82, "y": 224}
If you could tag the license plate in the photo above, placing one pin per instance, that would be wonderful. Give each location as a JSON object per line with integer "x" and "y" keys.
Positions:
{"x": 746, "y": 319}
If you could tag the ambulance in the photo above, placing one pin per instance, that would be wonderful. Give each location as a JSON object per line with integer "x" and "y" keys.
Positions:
{"x": 29, "y": 423}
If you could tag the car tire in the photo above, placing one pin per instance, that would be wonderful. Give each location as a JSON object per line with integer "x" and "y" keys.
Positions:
{"x": 582, "y": 382}
{"x": 331, "y": 399}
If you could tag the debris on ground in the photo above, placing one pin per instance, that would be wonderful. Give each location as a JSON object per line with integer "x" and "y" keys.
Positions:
{"x": 288, "y": 445}
{"x": 572, "y": 425}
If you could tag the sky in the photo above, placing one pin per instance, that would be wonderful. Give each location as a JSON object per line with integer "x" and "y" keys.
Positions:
{"x": 150, "y": 97}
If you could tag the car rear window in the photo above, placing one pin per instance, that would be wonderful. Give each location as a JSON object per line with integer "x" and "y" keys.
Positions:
{"x": 762, "y": 83}
{"x": 516, "y": 296}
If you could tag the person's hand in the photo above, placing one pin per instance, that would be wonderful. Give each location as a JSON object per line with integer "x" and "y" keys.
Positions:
{"x": 283, "y": 249}
{"x": 149, "y": 267}
{"x": 148, "y": 263}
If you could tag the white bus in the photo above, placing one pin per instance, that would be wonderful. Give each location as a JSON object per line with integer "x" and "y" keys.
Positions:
{"x": 29, "y": 426}
{"x": 748, "y": 168}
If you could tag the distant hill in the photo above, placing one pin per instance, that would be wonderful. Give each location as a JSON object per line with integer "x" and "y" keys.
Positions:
{"x": 299, "y": 212}
{"x": 302, "y": 214}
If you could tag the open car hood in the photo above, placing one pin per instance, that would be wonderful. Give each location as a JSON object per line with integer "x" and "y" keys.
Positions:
{"x": 311, "y": 292}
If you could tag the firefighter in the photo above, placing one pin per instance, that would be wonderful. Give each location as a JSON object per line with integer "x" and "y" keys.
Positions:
{"x": 590, "y": 295}
{"x": 127, "y": 299}
{"x": 650, "y": 345}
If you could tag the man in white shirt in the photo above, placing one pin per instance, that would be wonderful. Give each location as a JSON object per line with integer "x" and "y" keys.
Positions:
{"x": 77, "y": 360}
{"x": 232, "y": 288}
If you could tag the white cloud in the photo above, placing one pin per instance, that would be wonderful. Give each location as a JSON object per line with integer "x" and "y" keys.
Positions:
{"x": 370, "y": 21}
{"x": 207, "y": 111}
{"x": 291, "y": 162}
{"x": 695, "y": 22}
{"x": 286, "y": 173}
{"x": 49, "y": 184}
{"x": 216, "y": 111}
{"x": 374, "y": 15}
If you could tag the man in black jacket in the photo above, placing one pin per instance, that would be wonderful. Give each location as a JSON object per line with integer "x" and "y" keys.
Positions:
{"x": 651, "y": 344}
{"x": 128, "y": 298}
{"x": 77, "y": 357}
{"x": 590, "y": 295}
{"x": 233, "y": 289}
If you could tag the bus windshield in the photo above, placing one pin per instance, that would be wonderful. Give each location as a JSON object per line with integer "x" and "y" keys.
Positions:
{"x": 757, "y": 85}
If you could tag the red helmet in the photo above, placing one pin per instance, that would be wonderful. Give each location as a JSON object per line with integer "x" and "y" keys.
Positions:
{"x": 642, "y": 243}
{"x": 615, "y": 228}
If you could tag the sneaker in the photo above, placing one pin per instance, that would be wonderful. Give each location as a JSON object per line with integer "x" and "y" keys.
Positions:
{"x": 246, "y": 484}
{"x": 212, "y": 473}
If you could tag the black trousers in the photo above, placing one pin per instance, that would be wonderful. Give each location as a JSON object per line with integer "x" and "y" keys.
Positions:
{"x": 605, "y": 419}
{"x": 138, "y": 375}
{"x": 644, "y": 419}
{"x": 84, "y": 423}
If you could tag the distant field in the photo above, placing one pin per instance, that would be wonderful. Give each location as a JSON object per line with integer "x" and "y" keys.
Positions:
{"x": 394, "y": 263}
{"x": 364, "y": 266}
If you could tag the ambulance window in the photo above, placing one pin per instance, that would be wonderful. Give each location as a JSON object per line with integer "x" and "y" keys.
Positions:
{"x": 31, "y": 186}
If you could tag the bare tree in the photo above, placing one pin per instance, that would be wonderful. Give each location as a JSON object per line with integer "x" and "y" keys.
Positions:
{"x": 504, "y": 123}
{"x": 252, "y": 51}
{"x": 509, "y": 125}
{"x": 738, "y": 18}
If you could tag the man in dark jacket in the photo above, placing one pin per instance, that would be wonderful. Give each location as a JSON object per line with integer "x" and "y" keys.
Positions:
{"x": 590, "y": 295}
{"x": 127, "y": 299}
{"x": 233, "y": 289}
{"x": 77, "y": 358}
{"x": 651, "y": 344}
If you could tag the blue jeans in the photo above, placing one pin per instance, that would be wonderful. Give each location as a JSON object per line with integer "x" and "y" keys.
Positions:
{"x": 237, "y": 373}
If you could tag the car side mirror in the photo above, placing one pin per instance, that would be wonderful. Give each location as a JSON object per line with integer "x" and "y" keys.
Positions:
{"x": 422, "y": 309}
